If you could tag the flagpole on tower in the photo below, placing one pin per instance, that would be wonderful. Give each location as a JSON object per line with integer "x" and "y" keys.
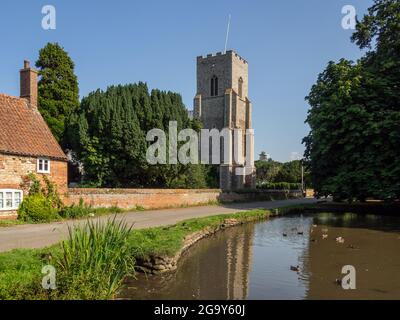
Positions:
{"x": 227, "y": 33}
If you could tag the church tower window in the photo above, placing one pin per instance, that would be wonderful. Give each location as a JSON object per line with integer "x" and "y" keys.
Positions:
{"x": 240, "y": 87}
{"x": 214, "y": 86}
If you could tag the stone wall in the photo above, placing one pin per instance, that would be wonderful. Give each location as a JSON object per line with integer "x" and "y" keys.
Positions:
{"x": 165, "y": 198}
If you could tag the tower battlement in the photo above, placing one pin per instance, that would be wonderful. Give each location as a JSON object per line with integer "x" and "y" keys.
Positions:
{"x": 228, "y": 53}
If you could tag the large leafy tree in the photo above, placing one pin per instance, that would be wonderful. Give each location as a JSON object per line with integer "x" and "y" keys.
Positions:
{"x": 58, "y": 89}
{"x": 108, "y": 135}
{"x": 352, "y": 148}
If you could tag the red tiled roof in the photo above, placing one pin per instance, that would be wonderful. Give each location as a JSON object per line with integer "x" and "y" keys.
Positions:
{"x": 24, "y": 132}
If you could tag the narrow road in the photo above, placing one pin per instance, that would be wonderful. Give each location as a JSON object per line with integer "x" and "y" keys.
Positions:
{"x": 43, "y": 235}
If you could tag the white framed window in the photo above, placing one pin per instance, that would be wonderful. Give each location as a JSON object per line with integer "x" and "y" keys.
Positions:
{"x": 10, "y": 199}
{"x": 43, "y": 165}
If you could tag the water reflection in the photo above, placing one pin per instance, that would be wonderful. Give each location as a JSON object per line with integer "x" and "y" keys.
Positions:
{"x": 371, "y": 245}
{"x": 253, "y": 261}
{"x": 215, "y": 268}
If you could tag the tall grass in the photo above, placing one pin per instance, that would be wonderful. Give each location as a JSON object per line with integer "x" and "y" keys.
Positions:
{"x": 94, "y": 260}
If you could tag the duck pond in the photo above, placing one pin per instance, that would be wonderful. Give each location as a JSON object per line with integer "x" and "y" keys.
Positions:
{"x": 288, "y": 257}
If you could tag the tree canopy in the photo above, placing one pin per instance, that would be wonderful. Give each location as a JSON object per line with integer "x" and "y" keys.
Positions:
{"x": 58, "y": 88}
{"x": 352, "y": 148}
{"x": 108, "y": 135}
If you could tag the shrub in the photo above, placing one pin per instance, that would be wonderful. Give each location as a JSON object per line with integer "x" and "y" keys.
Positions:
{"x": 102, "y": 211}
{"x": 279, "y": 186}
{"x": 37, "y": 208}
{"x": 76, "y": 211}
{"x": 84, "y": 210}
{"x": 41, "y": 204}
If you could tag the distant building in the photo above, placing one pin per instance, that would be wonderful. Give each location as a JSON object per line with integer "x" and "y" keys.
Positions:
{"x": 222, "y": 102}
{"x": 26, "y": 144}
{"x": 264, "y": 156}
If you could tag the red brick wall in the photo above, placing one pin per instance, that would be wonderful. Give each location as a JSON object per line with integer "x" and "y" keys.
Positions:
{"x": 164, "y": 198}
{"x": 59, "y": 175}
{"x": 146, "y": 198}
{"x": 14, "y": 168}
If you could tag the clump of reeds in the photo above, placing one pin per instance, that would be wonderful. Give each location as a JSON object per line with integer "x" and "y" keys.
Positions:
{"x": 94, "y": 260}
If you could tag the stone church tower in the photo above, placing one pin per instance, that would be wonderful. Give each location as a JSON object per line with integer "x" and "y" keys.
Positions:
{"x": 222, "y": 102}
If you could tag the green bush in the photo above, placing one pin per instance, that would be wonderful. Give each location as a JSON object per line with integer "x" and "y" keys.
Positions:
{"x": 84, "y": 210}
{"x": 37, "y": 208}
{"x": 279, "y": 186}
{"x": 76, "y": 211}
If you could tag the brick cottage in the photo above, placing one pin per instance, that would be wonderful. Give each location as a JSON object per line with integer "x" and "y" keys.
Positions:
{"x": 26, "y": 144}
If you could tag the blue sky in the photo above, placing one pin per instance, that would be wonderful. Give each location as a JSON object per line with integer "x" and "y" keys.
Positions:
{"x": 286, "y": 42}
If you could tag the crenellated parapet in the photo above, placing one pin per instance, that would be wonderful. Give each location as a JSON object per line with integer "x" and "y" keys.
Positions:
{"x": 218, "y": 54}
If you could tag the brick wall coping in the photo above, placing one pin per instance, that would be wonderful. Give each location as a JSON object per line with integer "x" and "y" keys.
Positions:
{"x": 75, "y": 191}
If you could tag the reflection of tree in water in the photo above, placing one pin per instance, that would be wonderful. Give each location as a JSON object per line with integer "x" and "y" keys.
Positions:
{"x": 354, "y": 220}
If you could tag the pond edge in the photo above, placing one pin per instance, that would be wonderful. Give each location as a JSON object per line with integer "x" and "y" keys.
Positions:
{"x": 163, "y": 264}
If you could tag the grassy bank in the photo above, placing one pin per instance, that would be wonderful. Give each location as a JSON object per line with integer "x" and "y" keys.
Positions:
{"x": 92, "y": 262}
{"x": 166, "y": 241}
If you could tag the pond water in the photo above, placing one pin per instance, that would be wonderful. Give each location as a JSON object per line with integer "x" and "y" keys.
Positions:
{"x": 254, "y": 261}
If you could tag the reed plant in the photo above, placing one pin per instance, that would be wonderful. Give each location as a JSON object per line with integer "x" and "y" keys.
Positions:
{"x": 94, "y": 260}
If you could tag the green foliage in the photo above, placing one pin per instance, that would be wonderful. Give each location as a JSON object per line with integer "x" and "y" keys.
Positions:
{"x": 37, "y": 208}
{"x": 42, "y": 203}
{"x": 289, "y": 172}
{"x": 85, "y": 210}
{"x": 270, "y": 171}
{"x": 58, "y": 88}
{"x": 279, "y": 186}
{"x": 108, "y": 135}
{"x": 10, "y": 222}
{"x": 267, "y": 170}
{"x": 50, "y": 192}
{"x": 34, "y": 184}
{"x": 110, "y": 210}
{"x": 352, "y": 149}
{"x": 194, "y": 177}
{"x": 76, "y": 211}
{"x": 94, "y": 261}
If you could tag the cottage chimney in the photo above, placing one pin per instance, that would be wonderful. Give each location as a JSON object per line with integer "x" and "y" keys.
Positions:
{"x": 28, "y": 84}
